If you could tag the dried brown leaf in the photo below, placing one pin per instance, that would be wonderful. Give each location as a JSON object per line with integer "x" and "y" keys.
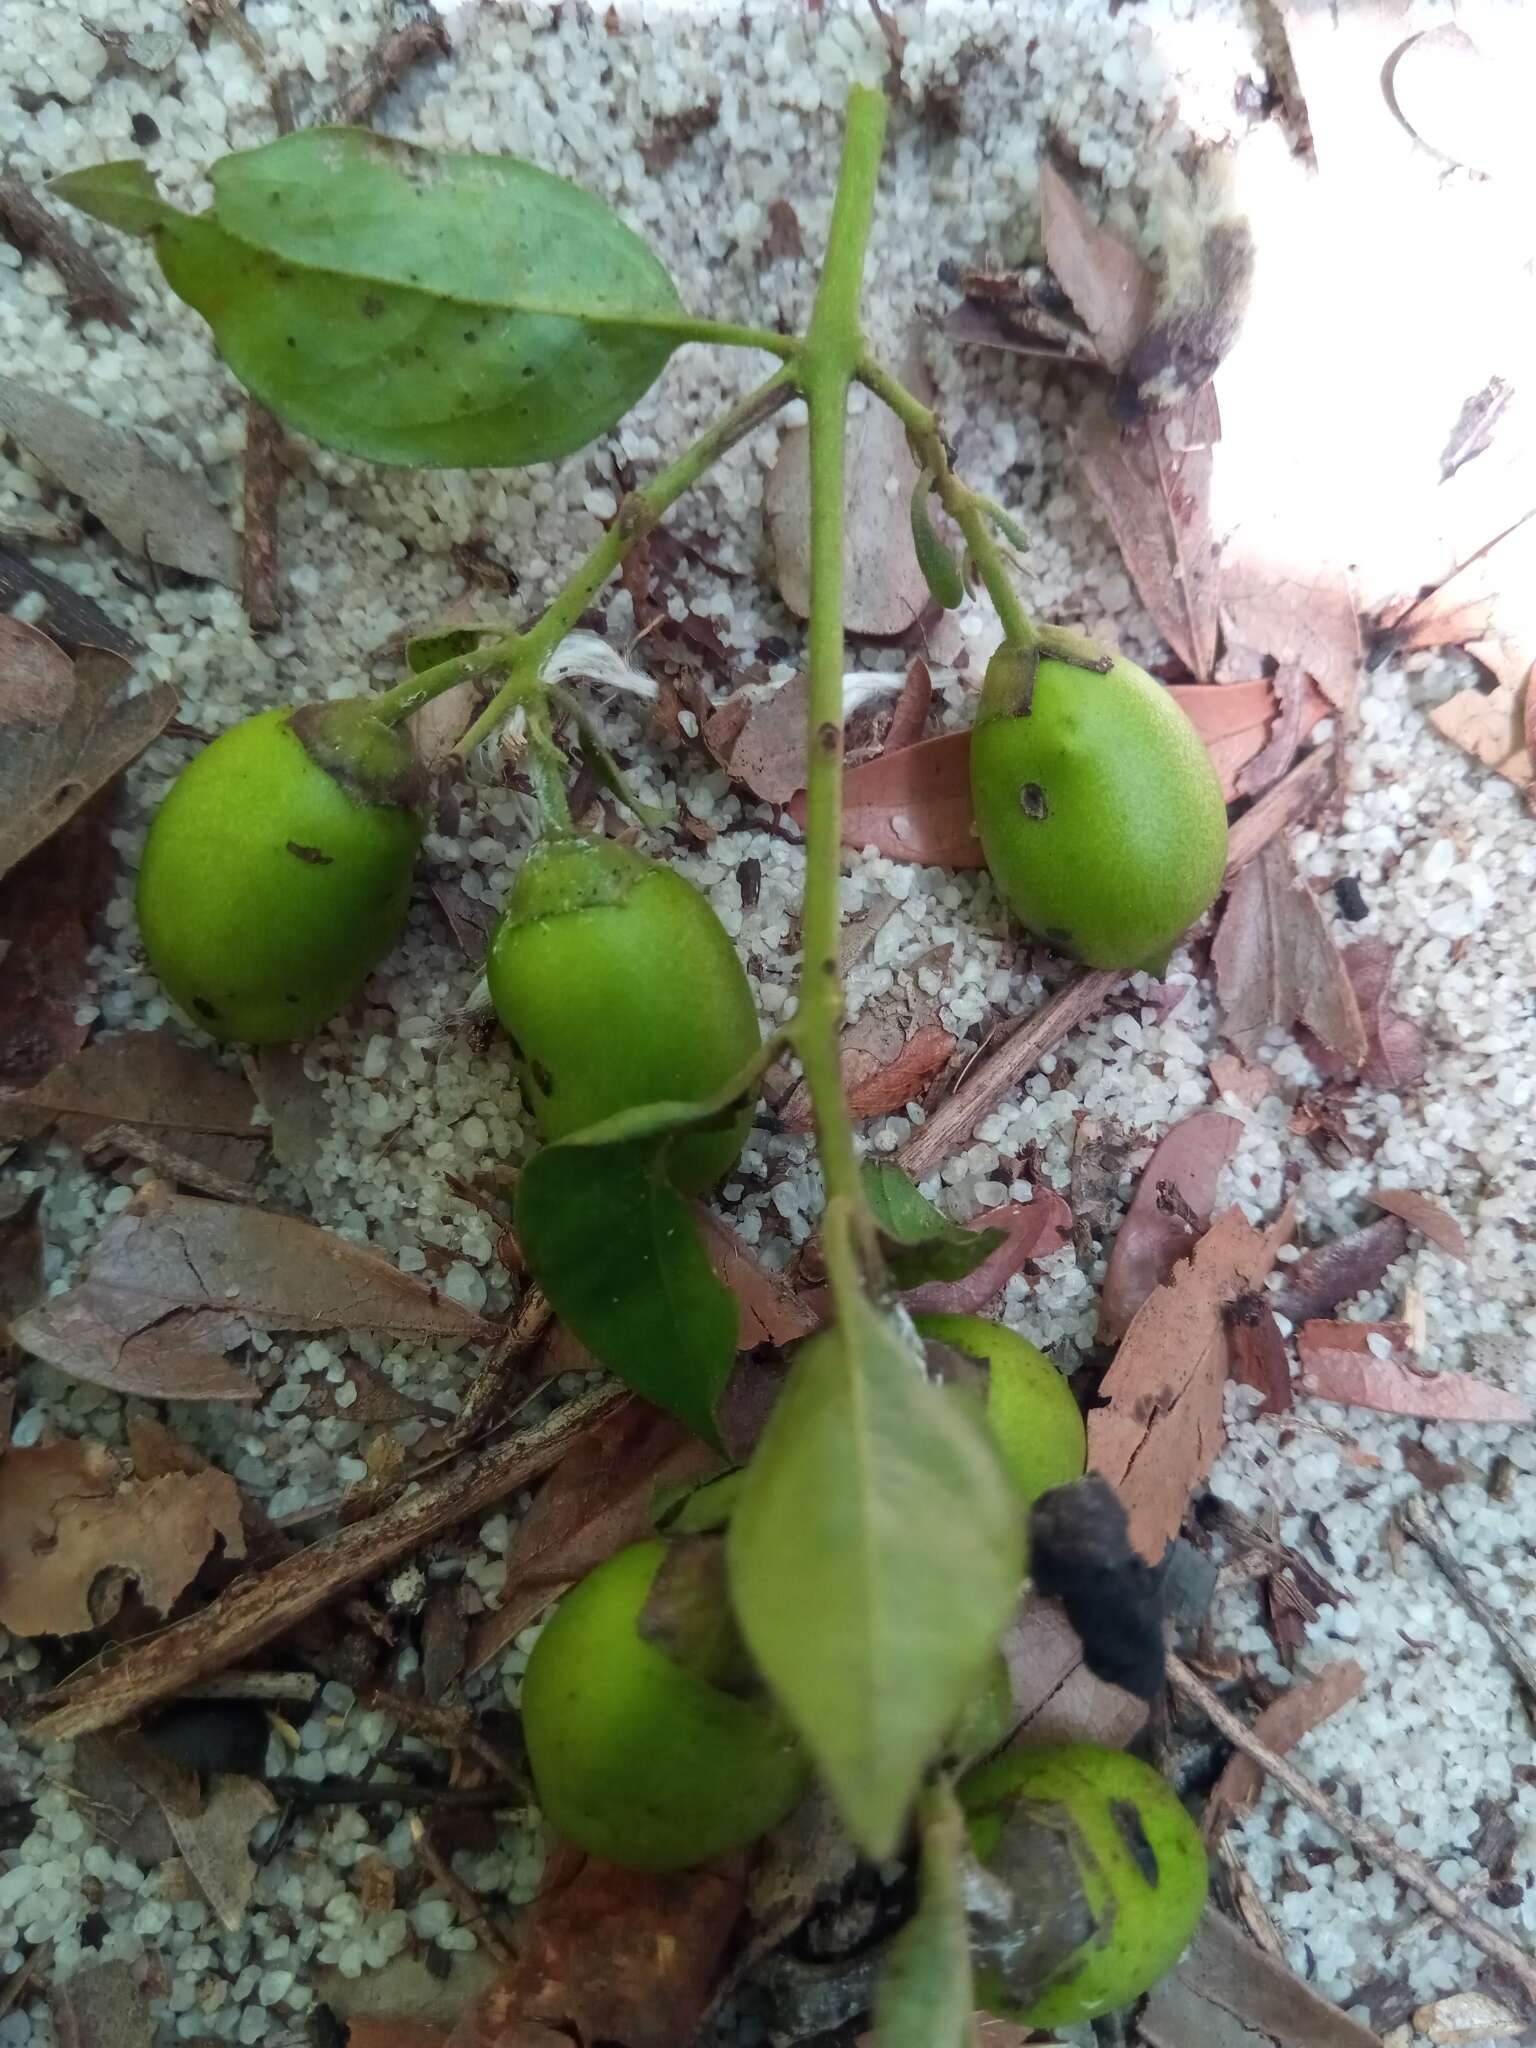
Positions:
{"x": 66, "y": 729}
{"x": 1055, "y": 1696}
{"x": 1394, "y": 1050}
{"x": 1301, "y": 613}
{"x": 1035, "y": 1230}
{"x": 101, "y": 2006}
{"x": 1099, "y": 1151}
{"x": 74, "y": 1529}
{"x": 599, "y": 1497}
{"x": 1426, "y": 1217}
{"x": 909, "y": 715}
{"x": 1106, "y": 280}
{"x": 1460, "y": 101}
{"x": 1330, "y": 1273}
{"x": 1162, "y": 1428}
{"x": 1292, "y": 689}
{"x": 21, "y": 1255}
{"x": 1153, "y": 480}
{"x": 299, "y": 1115}
{"x": 47, "y": 908}
{"x": 1493, "y": 727}
{"x": 120, "y": 1809}
{"x": 1245, "y": 725}
{"x": 912, "y": 805}
{"x": 1169, "y": 1211}
{"x": 211, "y": 1828}
{"x": 884, "y": 1064}
{"x": 1280, "y": 1727}
{"x": 758, "y": 737}
{"x": 1227, "y": 1993}
{"x": 772, "y": 1312}
{"x": 1277, "y": 964}
{"x": 1245, "y": 1082}
{"x": 612, "y": 1956}
{"x": 1256, "y": 1355}
{"x": 1338, "y": 1364}
{"x": 148, "y": 505}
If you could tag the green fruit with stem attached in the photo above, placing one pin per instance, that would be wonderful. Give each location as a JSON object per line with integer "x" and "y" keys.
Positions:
{"x": 1137, "y": 1858}
{"x": 636, "y": 1759}
{"x": 619, "y": 986}
{"x": 1031, "y": 1410}
{"x": 277, "y": 871}
{"x": 1100, "y": 814}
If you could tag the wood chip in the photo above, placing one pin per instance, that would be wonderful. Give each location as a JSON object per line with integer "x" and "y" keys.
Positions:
{"x": 1226, "y": 1993}
{"x": 90, "y": 292}
{"x": 1282, "y": 1725}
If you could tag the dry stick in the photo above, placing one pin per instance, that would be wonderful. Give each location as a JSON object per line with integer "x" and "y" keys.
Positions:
{"x": 258, "y": 1608}
{"x": 471, "y": 1909}
{"x": 91, "y": 293}
{"x": 1090, "y": 988}
{"x": 386, "y": 65}
{"x": 18, "y": 1982}
{"x": 263, "y": 483}
{"x": 1419, "y": 1523}
{"x": 491, "y": 1384}
{"x": 1404, "y": 1865}
{"x": 452, "y": 1728}
{"x": 297, "y": 1686}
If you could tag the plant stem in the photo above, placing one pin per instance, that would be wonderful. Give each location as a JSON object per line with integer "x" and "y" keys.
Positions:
{"x": 724, "y": 334}
{"x": 524, "y": 655}
{"x": 968, "y": 509}
{"x": 831, "y": 354}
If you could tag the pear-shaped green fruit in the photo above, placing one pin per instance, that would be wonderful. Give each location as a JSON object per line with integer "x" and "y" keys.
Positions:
{"x": 619, "y": 986}
{"x": 277, "y": 871}
{"x": 1138, "y": 1858}
{"x": 1031, "y": 1410}
{"x": 635, "y": 1759}
{"x": 1101, "y": 816}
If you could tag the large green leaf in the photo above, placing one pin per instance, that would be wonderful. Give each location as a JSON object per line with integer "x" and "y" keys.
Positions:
{"x": 875, "y": 1550}
{"x": 617, "y": 1251}
{"x": 924, "y": 1997}
{"x": 407, "y": 304}
{"x": 919, "y": 1243}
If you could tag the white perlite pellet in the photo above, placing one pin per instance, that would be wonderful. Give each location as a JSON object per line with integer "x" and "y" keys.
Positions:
{"x": 1443, "y": 852}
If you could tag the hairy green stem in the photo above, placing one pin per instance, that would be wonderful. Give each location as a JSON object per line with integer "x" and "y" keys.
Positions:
{"x": 831, "y": 353}
{"x": 970, "y": 511}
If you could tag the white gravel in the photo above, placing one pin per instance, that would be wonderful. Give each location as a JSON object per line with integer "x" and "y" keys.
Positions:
{"x": 1444, "y": 853}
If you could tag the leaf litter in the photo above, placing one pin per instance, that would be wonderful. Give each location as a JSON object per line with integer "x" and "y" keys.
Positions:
{"x": 1371, "y": 1365}
{"x": 1169, "y": 1211}
{"x": 1277, "y": 964}
{"x": 1280, "y": 1727}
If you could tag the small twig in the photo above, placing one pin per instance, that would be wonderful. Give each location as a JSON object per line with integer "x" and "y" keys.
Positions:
{"x": 1417, "y": 1522}
{"x": 1404, "y": 1865}
{"x": 258, "y": 1608}
{"x": 226, "y": 15}
{"x": 471, "y": 1909}
{"x": 264, "y": 472}
{"x": 387, "y": 64}
{"x": 300, "y": 1686}
{"x": 306, "y": 1793}
{"x": 91, "y": 293}
{"x": 491, "y": 1385}
{"x": 1294, "y": 797}
{"x": 452, "y": 1727}
{"x": 19, "y": 1981}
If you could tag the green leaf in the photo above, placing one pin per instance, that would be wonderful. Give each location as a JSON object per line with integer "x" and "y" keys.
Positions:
{"x": 1006, "y": 524}
{"x": 875, "y": 1549}
{"x": 693, "y": 1509}
{"x": 940, "y": 570}
{"x": 924, "y": 1997}
{"x": 123, "y": 194}
{"x": 616, "y": 1249}
{"x": 412, "y": 305}
{"x": 920, "y": 1244}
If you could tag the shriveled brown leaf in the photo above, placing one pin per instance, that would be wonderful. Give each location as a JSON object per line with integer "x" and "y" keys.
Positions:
{"x": 1469, "y": 2019}
{"x": 883, "y": 587}
{"x": 1277, "y": 964}
{"x": 1330, "y": 1273}
{"x": 1099, "y": 1150}
{"x": 909, "y": 715}
{"x": 21, "y": 1253}
{"x": 1394, "y": 1055}
{"x": 1280, "y": 1727}
{"x": 1338, "y": 1364}
{"x": 1460, "y": 101}
{"x": 211, "y": 1827}
{"x": 1295, "y": 693}
{"x": 1249, "y": 1082}
{"x": 600, "y": 1497}
{"x": 1251, "y": 730}
{"x": 298, "y": 1113}
{"x": 807, "y": 1858}
{"x": 1426, "y": 1217}
{"x": 912, "y": 805}
{"x": 1152, "y": 479}
{"x": 74, "y": 1528}
{"x": 1163, "y": 1425}
{"x": 758, "y": 737}
{"x": 612, "y": 1956}
{"x": 1056, "y": 1698}
{"x": 1105, "y": 278}
{"x": 772, "y": 1312}
{"x": 1300, "y": 612}
{"x": 148, "y": 505}
{"x": 120, "y": 1810}
{"x": 1169, "y": 1211}
{"x": 101, "y": 2006}
{"x": 152, "y": 1096}
{"x": 1035, "y": 1229}
{"x": 1256, "y": 1355}
{"x": 1227, "y": 1993}
{"x": 47, "y": 908}
{"x": 1493, "y": 727}
{"x": 173, "y": 1276}
{"x": 885, "y": 1064}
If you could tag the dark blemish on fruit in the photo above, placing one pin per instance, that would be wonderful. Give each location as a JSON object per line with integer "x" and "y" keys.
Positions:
{"x": 470, "y": 334}
{"x": 1032, "y": 801}
{"x": 517, "y": 1050}
{"x": 293, "y": 341}
{"x": 826, "y": 737}
{"x": 290, "y": 999}
{"x": 543, "y": 1079}
{"x": 309, "y": 854}
{"x": 204, "y": 1008}
{"x": 372, "y": 306}
{"x": 528, "y": 370}
{"x": 1057, "y": 935}
{"x": 1126, "y": 1816}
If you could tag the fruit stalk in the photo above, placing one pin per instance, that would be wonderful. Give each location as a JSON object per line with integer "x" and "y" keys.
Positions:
{"x": 832, "y": 351}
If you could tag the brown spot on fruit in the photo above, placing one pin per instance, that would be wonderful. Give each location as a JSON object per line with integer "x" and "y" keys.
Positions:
{"x": 1127, "y": 1818}
{"x": 543, "y": 1079}
{"x": 1032, "y": 801}
{"x": 372, "y": 306}
{"x": 204, "y": 1008}
{"x": 311, "y": 855}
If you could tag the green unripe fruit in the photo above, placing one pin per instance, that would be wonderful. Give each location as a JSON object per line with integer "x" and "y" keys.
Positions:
{"x": 1101, "y": 816}
{"x": 1030, "y": 1408}
{"x": 277, "y": 871}
{"x": 635, "y": 1759}
{"x": 619, "y": 986}
{"x": 1138, "y": 1858}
